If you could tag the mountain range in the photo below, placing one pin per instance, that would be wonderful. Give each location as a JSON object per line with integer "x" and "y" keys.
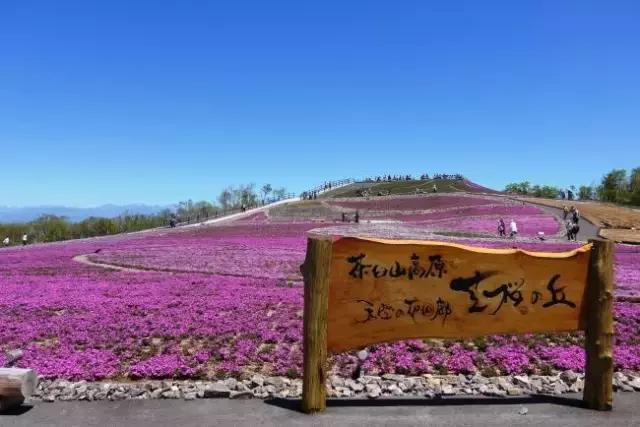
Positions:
{"x": 29, "y": 213}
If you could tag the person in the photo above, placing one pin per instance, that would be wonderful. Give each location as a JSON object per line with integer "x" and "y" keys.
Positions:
{"x": 6, "y": 241}
{"x": 172, "y": 222}
{"x": 25, "y": 239}
{"x": 575, "y": 216}
{"x": 435, "y": 188}
{"x": 565, "y": 212}
{"x": 356, "y": 218}
{"x": 575, "y": 229}
{"x": 514, "y": 228}
{"x": 502, "y": 228}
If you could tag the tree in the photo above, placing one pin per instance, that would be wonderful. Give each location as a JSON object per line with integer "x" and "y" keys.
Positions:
{"x": 279, "y": 193}
{"x": 634, "y": 186}
{"x": 585, "y": 192}
{"x": 522, "y": 188}
{"x": 247, "y": 195}
{"x": 266, "y": 189}
{"x": 225, "y": 198}
{"x": 203, "y": 209}
{"x": 614, "y": 187}
{"x": 546, "y": 191}
{"x": 51, "y": 228}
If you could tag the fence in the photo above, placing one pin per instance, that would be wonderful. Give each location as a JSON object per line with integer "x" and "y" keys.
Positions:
{"x": 327, "y": 186}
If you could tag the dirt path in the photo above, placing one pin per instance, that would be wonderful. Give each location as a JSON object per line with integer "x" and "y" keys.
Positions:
{"x": 84, "y": 259}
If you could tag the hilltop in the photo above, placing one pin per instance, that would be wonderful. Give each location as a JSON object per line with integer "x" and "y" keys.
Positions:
{"x": 406, "y": 187}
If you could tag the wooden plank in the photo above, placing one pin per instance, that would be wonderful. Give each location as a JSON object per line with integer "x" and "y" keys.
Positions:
{"x": 16, "y": 385}
{"x": 316, "y": 287}
{"x": 598, "y": 317}
{"x": 385, "y": 291}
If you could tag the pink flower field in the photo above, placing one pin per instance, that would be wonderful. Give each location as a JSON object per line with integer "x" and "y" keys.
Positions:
{"x": 227, "y": 300}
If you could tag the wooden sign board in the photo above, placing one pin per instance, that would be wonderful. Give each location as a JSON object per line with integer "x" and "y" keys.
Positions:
{"x": 391, "y": 290}
{"x": 365, "y": 291}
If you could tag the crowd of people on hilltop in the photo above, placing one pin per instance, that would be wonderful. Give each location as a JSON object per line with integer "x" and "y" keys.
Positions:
{"x": 408, "y": 177}
{"x": 310, "y": 195}
{"x": 450, "y": 177}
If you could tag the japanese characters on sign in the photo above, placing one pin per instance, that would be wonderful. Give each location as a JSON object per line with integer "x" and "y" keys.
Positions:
{"x": 388, "y": 290}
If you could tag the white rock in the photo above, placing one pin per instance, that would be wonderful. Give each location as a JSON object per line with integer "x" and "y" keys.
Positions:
{"x": 373, "y": 390}
{"x": 257, "y": 380}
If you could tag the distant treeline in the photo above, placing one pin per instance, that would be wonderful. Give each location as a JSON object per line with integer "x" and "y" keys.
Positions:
{"x": 52, "y": 228}
{"x": 616, "y": 186}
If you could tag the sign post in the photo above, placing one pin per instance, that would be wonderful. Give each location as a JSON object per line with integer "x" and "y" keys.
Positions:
{"x": 316, "y": 301}
{"x": 365, "y": 291}
{"x": 598, "y": 316}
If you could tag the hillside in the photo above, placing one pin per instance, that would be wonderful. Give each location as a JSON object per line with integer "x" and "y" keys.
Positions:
{"x": 416, "y": 186}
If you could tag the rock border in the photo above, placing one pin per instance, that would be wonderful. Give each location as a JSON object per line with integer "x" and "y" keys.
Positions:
{"x": 367, "y": 386}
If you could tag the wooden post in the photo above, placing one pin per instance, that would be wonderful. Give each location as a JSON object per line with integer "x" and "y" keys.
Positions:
{"x": 598, "y": 320}
{"x": 15, "y": 386}
{"x": 316, "y": 304}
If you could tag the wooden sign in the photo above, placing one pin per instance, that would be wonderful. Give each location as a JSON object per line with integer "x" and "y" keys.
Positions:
{"x": 391, "y": 290}
{"x": 365, "y": 291}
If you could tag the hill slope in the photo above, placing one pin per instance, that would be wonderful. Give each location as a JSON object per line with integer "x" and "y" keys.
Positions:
{"x": 375, "y": 188}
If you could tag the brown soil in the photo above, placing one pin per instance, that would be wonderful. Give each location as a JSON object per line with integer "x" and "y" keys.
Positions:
{"x": 621, "y": 235}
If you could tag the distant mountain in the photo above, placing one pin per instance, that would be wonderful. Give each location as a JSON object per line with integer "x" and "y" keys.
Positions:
{"x": 29, "y": 213}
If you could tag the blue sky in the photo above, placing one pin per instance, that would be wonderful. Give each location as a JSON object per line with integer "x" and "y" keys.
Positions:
{"x": 156, "y": 102}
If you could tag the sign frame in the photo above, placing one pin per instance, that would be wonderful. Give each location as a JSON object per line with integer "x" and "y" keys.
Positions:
{"x": 596, "y": 321}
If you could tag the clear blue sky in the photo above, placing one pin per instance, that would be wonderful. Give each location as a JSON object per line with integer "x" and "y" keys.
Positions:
{"x": 154, "y": 102}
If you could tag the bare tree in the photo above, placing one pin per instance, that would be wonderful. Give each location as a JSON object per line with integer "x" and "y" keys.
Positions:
{"x": 225, "y": 199}
{"x": 266, "y": 189}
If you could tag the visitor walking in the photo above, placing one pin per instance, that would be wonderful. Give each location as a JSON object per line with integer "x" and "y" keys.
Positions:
{"x": 575, "y": 216}
{"x": 572, "y": 230}
{"x": 25, "y": 239}
{"x": 6, "y": 241}
{"x": 502, "y": 228}
{"x": 565, "y": 212}
{"x": 514, "y": 228}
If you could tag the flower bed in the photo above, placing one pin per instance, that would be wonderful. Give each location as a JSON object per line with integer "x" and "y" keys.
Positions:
{"x": 412, "y": 203}
{"x": 232, "y": 305}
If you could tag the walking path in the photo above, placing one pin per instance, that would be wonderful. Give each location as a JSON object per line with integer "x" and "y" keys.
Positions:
{"x": 84, "y": 259}
{"x": 241, "y": 215}
{"x": 448, "y": 411}
{"x": 587, "y": 229}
